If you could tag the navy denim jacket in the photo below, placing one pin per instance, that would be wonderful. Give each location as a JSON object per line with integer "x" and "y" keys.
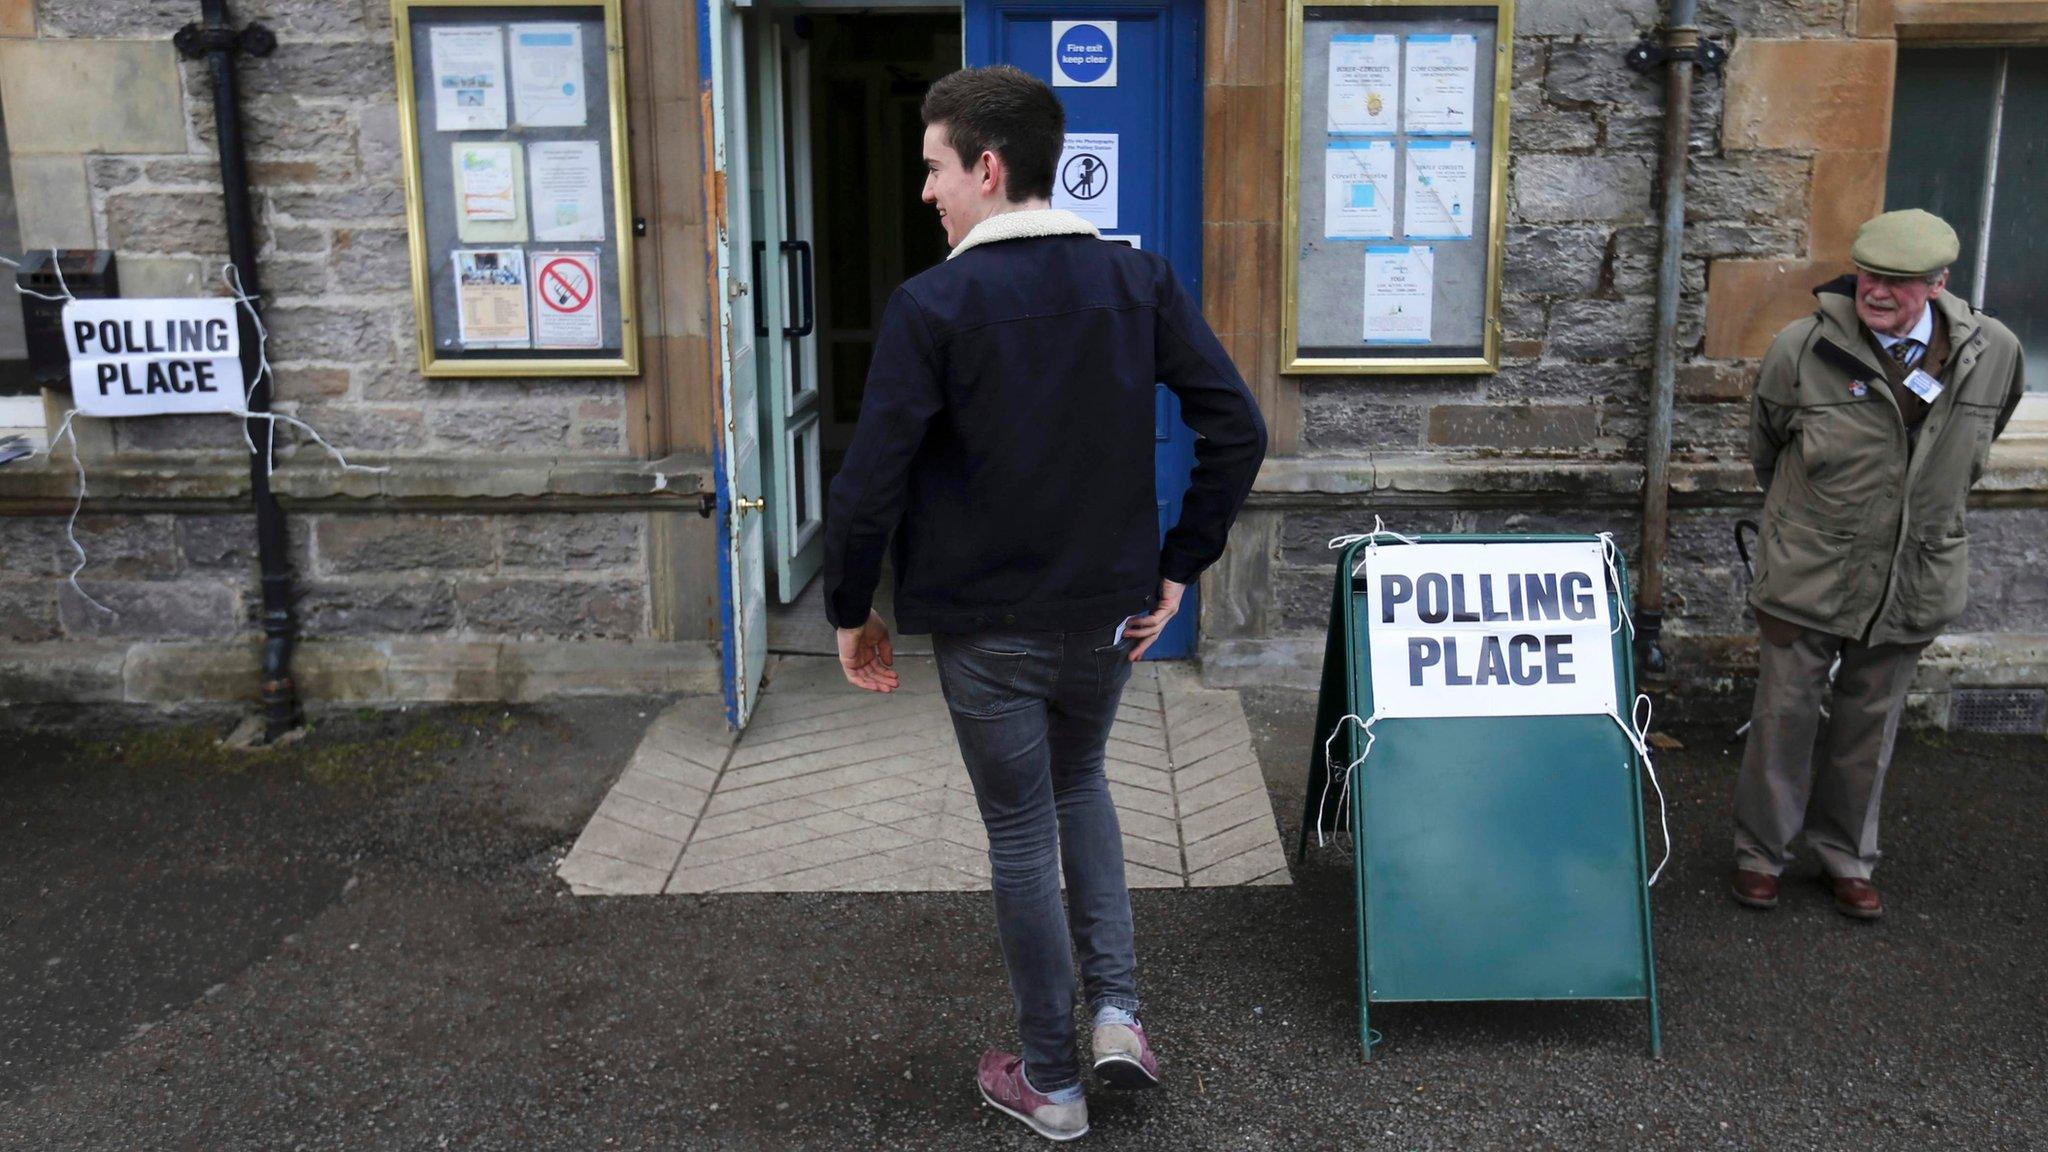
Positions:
{"x": 1006, "y": 439}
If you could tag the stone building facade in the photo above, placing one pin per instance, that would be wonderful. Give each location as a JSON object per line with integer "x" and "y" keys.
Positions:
{"x": 544, "y": 537}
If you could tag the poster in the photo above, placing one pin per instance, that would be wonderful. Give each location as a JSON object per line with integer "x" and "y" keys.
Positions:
{"x": 490, "y": 295}
{"x": 1439, "y": 84}
{"x": 1084, "y": 54}
{"x": 486, "y": 183}
{"x": 1490, "y": 630}
{"x": 1086, "y": 181}
{"x": 1399, "y": 289}
{"x": 548, "y": 87}
{"x": 1437, "y": 201}
{"x": 568, "y": 191}
{"x": 1358, "y": 190}
{"x": 1364, "y": 84}
{"x": 568, "y": 305}
{"x": 154, "y": 357}
{"x": 469, "y": 78}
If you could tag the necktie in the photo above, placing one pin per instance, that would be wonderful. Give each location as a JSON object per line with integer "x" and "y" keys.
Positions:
{"x": 1906, "y": 351}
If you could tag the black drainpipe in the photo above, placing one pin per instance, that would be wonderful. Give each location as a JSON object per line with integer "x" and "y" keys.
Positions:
{"x": 1681, "y": 49}
{"x": 217, "y": 41}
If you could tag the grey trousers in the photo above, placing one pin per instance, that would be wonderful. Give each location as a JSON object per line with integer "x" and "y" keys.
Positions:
{"x": 1796, "y": 777}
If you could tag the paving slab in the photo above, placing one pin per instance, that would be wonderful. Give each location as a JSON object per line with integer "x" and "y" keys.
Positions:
{"x": 830, "y": 789}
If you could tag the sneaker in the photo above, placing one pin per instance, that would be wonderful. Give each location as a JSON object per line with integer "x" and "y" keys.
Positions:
{"x": 1123, "y": 1057}
{"x": 1005, "y": 1089}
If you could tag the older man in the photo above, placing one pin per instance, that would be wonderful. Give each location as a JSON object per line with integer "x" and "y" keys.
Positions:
{"x": 1872, "y": 418}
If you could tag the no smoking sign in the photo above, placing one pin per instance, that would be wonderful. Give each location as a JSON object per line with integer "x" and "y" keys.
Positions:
{"x": 568, "y": 312}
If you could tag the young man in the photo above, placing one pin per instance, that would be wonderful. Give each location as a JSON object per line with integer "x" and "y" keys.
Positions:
{"x": 1005, "y": 438}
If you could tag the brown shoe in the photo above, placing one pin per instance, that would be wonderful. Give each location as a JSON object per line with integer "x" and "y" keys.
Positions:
{"x": 1754, "y": 889}
{"x": 1856, "y": 898}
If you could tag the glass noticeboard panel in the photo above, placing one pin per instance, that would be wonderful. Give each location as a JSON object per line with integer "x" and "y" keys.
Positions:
{"x": 517, "y": 192}
{"x": 1397, "y": 131}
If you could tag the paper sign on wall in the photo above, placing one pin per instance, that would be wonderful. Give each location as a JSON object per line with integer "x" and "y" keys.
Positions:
{"x": 568, "y": 308}
{"x": 1365, "y": 77}
{"x": 1084, "y": 54}
{"x": 1439, "y": 83}
{"x": 547, "y": 76}
{"x": 1438, "y": 198}
{"x": 568, "y": 190}
{"x": 1086, "y": 181}
{"x": 154, "y": 357}
{"x": 469, "y": 78}
{"x": 1358, "y": 190}
{"x": 490, "y": 297}
{"x": 1490, "y": 629}
{"x": 1400, "y": 290}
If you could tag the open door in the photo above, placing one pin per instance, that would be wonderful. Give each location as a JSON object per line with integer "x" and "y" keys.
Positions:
{"x": 787, "y": 327}
{"x": 743, "y": 616}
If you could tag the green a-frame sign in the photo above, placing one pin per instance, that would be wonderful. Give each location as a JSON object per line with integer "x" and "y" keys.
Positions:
{"x": 1495, "y": 857}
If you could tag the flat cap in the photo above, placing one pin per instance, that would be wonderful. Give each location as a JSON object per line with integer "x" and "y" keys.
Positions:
{"x": 1909, "y": 242}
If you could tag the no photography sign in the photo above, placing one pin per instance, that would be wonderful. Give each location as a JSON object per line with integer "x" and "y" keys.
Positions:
{"x": 154, "y": 357}
{"x": 1490, "y": 629}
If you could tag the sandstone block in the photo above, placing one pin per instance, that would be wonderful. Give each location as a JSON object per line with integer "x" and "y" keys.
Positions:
{"x": 1560, "y": 188}
{"x": 572, "y": 541}
{"x": 1547, "y": 427}
{"x": 78, "y": 96}
{"x": 385, "y": 543}
{"x": 554, "y": 608}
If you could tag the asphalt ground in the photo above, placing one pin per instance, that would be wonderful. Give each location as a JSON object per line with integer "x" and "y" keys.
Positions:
{"x": 358, "y": 942}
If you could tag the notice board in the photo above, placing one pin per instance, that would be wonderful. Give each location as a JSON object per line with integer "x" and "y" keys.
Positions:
{"x": 513, "y": 120}
{"x": 1396, "y": 177}
{"x": 1497, "y": 814}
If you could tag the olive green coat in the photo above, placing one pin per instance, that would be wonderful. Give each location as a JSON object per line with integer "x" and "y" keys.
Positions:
{"x": 1863, "y": 532}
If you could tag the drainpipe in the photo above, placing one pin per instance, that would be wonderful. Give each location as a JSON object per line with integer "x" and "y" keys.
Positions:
{"x": 217, "y": 41}
{"x": 1680, "y": 50}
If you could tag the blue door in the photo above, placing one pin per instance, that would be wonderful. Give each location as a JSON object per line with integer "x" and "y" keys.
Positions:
{"x": 1147, "y": 91}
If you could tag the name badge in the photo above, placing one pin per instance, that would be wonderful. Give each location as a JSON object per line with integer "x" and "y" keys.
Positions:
{"x": 1924, "y": 386}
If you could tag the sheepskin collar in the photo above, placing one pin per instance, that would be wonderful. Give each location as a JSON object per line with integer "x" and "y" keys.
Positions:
{"x": 1023, "y": 226}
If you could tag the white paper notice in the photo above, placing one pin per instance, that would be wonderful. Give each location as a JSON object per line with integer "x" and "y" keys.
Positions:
{"x": 547, "y": 76}
{"x": 154, "y": 357}
{"x": 1358, "y": 190}
{"x": 469, "y": 79}
{"x": 568, "y": 191}
{"x": 487, "y": 183}
{"x": 1439, "y": 84}
{"x": 1365, "y": 72}
{"x": 1086, "y": 181}
{"x": 1399, "y": 283}
{"x": 568, "y": 308}
{"x": 1489, "y": 629}
{"x": 490, "y": 294}
{"x": 1438, "y": 198}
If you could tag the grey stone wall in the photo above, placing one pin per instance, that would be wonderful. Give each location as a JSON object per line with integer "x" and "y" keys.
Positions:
{"x": 192, "y": 576}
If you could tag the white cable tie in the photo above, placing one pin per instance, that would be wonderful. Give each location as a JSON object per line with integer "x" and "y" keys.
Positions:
{"x": 1330, "y": 774}
{"x": 64, "y": 432}
{"x": 57, "y": 266}
{"x": 1372, "y": 538}
{"x": 1608, "y": 551}
{"x": 1638, "y": 733}
{"x": 278, "y": 417}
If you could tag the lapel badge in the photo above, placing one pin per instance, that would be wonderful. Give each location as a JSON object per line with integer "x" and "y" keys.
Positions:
{"x": 1858, "y": 389}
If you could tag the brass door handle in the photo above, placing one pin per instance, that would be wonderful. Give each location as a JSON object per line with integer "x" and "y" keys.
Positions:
{"x": 754, "y": 505}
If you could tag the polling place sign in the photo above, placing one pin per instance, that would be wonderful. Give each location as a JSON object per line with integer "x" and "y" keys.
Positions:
{"x": 1490, "y": 629}
{"x": 154, "y": 357}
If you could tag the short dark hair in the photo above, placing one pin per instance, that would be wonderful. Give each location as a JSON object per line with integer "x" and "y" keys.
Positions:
{"x": 1008, "y": 111}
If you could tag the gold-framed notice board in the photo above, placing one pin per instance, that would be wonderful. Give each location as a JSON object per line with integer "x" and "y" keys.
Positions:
{"x": 517, "y": 188}
{"x": 1396, "y": 167}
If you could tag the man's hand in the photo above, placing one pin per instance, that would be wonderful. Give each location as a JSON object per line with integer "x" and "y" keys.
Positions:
{"x": 1146, "y": 628}
{"x": 867, "y": 657}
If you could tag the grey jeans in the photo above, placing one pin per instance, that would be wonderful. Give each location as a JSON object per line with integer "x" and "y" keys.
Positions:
{"x": 1828, "y": 782}
{"x": 1033, "y": 711}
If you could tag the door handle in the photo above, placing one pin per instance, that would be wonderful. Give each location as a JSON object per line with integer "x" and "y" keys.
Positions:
{"x": 805, "y": 270}
{"x": 760, "y": 305}
{"x": 754, "y": 505}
